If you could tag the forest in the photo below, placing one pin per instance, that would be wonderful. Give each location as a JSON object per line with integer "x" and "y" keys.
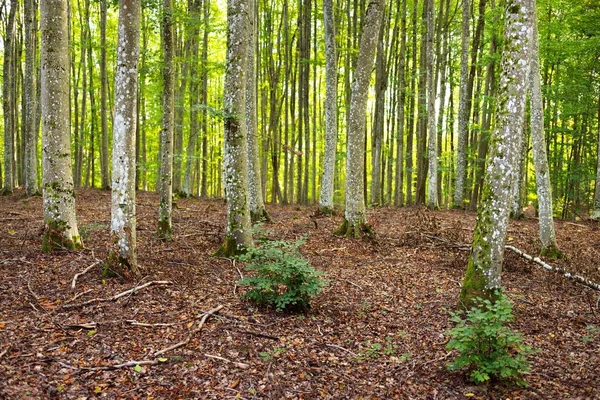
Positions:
{"x": 300, "y": 199}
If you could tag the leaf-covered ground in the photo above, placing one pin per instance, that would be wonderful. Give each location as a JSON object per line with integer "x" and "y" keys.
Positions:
{"x": 377, "y": 331}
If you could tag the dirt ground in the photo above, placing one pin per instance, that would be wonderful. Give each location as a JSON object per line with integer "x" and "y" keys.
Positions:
{"x": 377, "y": 331}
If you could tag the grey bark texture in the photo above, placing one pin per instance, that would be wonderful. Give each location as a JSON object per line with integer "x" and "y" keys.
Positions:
{"x": 104, "y": 155}
{"x": 238, "y": 234}
{"x": 123, "y": 217}
{"x": 8, "y": 100}
{"x": 538, "y": 138}
{"x": 355, "y": 215}
{"x": 463, "y": 108}
{"x": 331, "y": 125}
{"x": 60, "y": 225}
{"x": 399, "y": 193}
{"x": 165, "y": 207}
{"x": 432, "y": 200}
{"x": 596, "y": 211}
{"x": 30, "y": 100}
{"x": 255, "y": 194}
{"x": 483, "y": 275}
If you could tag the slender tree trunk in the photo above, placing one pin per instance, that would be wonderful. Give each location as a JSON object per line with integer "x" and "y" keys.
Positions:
{"x": 399, "y": 194}
{"x": 355, "y": 221}
{"x": 238, "y": 235}
{"x": 104, "y": 155}
{"x": 432, "y": 201}
{"x": 540, "y": 158}
{"x": 123, "y": 217}
{"x": 483, "y": 275}
{"x": 8, "y": 101}
{"x": 204, "y": 99}
{"x": 60, "y": 224}
{"x": 30, "y": 103}
{"x": 165, "y": 207}
{"x": 422, "y": 165}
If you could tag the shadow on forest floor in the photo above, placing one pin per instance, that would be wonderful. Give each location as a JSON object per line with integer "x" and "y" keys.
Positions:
{"x": 378, "y": 329}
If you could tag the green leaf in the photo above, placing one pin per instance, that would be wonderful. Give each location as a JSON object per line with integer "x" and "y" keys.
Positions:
{"x": 137, "y": 368}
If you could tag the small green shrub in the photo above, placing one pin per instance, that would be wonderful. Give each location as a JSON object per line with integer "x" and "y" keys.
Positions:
{"x": 487, "y": 347}
{"x": 283, "y": 277}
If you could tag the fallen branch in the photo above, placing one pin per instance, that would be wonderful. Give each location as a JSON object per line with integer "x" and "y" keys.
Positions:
{"x": 191, "y": 334}
{"x": 78, "y": 295}
{"x": 135, "y": 323}
{"x": 566, "y": 274}
{"x": 110, "y": 367}
{"x": 335, "y": 346}
{"x": 258, "y": 334}
{"x": 4, "y": 351}
{"x": 118, "y": 296}
{"x": 237, "y": 364}
{"x": 74, "y": 282}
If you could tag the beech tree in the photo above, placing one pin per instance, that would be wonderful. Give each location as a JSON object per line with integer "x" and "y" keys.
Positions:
{"x": 432, "y": 201}
{"x": 60, "y": 224}
{"x": 30, "y": 127}
{"x": 123, "y": 219}
{"x": 355, "y": 217}
{"x": 8, "y": 100}
{"x": 238, "y": 235}
{"x": 165, "y": 207}
{"x": 483, "y": 275}
{"x": 331, "y": 126}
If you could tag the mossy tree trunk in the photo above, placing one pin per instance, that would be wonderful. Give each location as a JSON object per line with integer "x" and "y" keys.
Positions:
{"x": 432, "y": 200}
{"x": 483, "y": 275}
{"x": 104, "y": 152}
{"x": 596, "y": 211}
{"x": 8, "y": 100}
{"x": 238, "y": 234}
{"x": 355, "y": 221}
{"x": 30, "y": 100}
{"x": 165, "y": 229}
{"x": 60, "y": 225}
{"x": 123, "y": 219}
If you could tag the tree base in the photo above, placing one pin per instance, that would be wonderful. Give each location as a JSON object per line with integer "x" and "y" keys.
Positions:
{"x": 354, "y": 231}
{"x": 6, "y": 192}
{"x": 55, "y": 239}
{"x": 474, "y": 286}
{"x": 261, "y": 216}
{"x": 553, "y": 252}
{"x": 165, "y": 231}
{"x": 325, "y": 211}
{"x": 117, "y": 265}
{"x": 229, "y": 249}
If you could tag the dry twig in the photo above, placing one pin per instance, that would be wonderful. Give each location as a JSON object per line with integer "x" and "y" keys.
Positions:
{"x": 74, "y": 282}
{"x": 119, "y": 295}
{"x": 237, "y": 364}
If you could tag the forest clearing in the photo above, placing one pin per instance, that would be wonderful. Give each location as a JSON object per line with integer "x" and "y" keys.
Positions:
{"x": 394, "y": 290}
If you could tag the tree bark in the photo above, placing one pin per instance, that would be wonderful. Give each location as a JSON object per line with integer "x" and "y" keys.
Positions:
{"x": 483, "y": 275}
{"x": 8, "y": 100}
{"x": 399, "y": 194}
{"x": 432, "y": 201}
{"x": 355, "y": 221}
{"x": 104, "y": 168}
{"x": 238, "y": 235}
{"x": 30, "y": 103}
{"x": 165, "y": 207}
{"x": 60, "y": 224}
{"x": 123, "y": 217}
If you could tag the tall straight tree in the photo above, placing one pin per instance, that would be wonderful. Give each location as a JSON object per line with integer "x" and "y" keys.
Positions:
{"x": 540, "y": 157}
{"x": 432, "y": 201}
{"x": 355, "y": 218}
{"x": 483, "y": 275}
{"x": 238, "y": 235}
{"x": 331, "y": 126}
{"x": 123, "y": 220}
{"x": 399, "y": 193}
{"x": 30, "y": 104}
{"x": 165, "y": 207}
{"x": 104, "y": 167}
{"x": 596, "y": 210}
{"x": 60, "y": 224}
{"x": 255, "y": 194}
{"x": 8, "y": 100}
{"x": 463, "y": 108}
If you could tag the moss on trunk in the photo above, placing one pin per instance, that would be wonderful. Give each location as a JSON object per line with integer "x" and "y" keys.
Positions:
{"x": 229, "y": 248}
{"x": 552, "y": 251}
{"x": 54, "y": 238}
{"x": 165, "y": 230}
{"x": 260, "y": 216}
{"x": 354, "y": 230}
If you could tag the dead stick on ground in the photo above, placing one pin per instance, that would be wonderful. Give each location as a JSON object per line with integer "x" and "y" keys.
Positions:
{"x": 74, "y": 282}
{"x": 4, "y": 351}
{"x": 192, "y": 333}
{"x": 237, "y": 364}
{"x": 136, "y": 323}
{"x": 118, "y": 296}
{"x": 110, "y": 367}
{"x": 560, "y": 271}
{"x": 78, "y": 295}
{"x": 335, "y": 346}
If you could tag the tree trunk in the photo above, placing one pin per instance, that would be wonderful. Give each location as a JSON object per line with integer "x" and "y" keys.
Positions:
{"x": 596, "y": 212}
{"x": 238, "y": 235}
{"x": 432, "y": 201}
{"x": 422, "y": 165}
{"x": 483, "y": 275}
{"x": 355, "y": 221}
{"x": 538, "y": 138}
{"x": 104, "y": 172}
{"x": 8, "y": 101}
{"x": 331, "y": 126}
{"x": 165, "y": 228}
{"x": 60, "y": 224}
{"x": 30, "y": 103}
{"x": 123, "y": 218}
{"x": 399, "y": 194}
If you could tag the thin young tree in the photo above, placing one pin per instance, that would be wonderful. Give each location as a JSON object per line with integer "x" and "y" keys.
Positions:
{"x": 238, "y": 234}
{"x": 123, "y": 218}
{"x": 30, "y": 100}
{"x": 60, "y": 224}
{"x": 331, "y": 126}
{"x": 483, "y": 275}
{"x": 596, "y": 210}
{"x": 540, "y": 157}
{"x": 432, "y": 201}
{"x": 255, "y": 194}
{"x": 355, "y": 217}
{"x": 8, "y": 99}
{"x": 165, "y": 207}
{"x": 104, "y": 155}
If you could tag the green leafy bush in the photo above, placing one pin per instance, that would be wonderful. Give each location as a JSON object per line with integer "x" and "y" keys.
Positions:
{"x": 283, "y": 277}
{"x": 487, "y": 347}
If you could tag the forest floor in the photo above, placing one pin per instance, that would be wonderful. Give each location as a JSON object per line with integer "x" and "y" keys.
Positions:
{"x": 377, "y": 331}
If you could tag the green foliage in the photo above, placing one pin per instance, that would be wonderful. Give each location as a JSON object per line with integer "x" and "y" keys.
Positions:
{"x": 487, "y": 347}
{"x": 283, "y": 276}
